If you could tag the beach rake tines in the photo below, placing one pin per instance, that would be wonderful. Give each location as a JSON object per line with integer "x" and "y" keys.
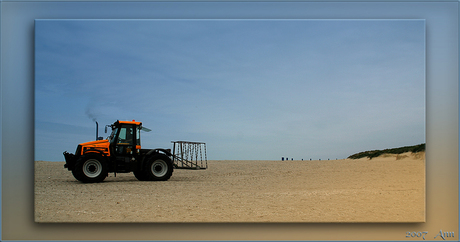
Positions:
{"x": 189, "y": 155}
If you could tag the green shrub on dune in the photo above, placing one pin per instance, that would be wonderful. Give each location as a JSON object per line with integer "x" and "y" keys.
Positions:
{"x": 375, "y": 153}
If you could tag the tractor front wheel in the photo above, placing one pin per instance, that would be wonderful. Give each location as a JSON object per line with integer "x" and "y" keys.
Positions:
{"x": 90, "y": 168}
{"x": 158, "y": 168}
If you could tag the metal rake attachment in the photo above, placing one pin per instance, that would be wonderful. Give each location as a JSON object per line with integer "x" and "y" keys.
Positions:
{"x": 189, "y": 155}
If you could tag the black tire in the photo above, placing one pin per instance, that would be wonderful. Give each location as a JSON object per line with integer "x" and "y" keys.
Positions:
{"x": 90, "y": 168}
{"x": 158, "y": 168}
{"x": 140, "y": 175}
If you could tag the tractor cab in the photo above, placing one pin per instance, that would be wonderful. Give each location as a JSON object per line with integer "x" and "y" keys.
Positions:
{"x": 125, "y": 138}
{"x": 125, "y": 143}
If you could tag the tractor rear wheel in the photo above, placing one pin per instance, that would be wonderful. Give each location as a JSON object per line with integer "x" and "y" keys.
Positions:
{"x": 158, "y": 168}
{"x": 90, "y": 168}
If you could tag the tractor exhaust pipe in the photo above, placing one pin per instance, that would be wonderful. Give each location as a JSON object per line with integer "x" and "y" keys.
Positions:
{"x": 97, "y": 131}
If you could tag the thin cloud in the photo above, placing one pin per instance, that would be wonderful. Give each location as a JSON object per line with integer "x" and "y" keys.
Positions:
{"x": 261, "y": 87}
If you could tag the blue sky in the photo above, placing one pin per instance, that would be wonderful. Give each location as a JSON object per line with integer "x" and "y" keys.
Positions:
{"x": 250, "y": 89}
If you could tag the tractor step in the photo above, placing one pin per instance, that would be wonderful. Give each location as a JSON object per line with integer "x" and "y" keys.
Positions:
{"x": 189, "y": 155}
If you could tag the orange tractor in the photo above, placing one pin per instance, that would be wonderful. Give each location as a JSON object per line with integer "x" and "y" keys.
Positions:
{"x": 121, "y": 152}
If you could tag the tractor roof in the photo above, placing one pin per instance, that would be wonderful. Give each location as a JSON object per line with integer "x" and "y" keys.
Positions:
{"x": 129, "y": 122}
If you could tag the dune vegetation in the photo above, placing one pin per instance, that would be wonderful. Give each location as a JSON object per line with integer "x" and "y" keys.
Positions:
{"x": 376, "y": 153}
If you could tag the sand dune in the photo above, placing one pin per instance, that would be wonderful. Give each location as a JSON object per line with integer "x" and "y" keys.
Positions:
{"x": 390, "y": 188}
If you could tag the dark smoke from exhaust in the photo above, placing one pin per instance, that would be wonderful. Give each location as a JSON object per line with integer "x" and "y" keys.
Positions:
{"x": 93, "y": 117}
{"x": 90, "y": 114}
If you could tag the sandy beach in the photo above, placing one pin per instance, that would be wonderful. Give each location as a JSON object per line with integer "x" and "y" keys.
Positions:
{"x": 390, "y": 188}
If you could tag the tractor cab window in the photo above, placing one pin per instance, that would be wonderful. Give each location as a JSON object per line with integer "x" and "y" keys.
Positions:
{"x": 126, "y": 140}
{"x": 113, "y": 135}
{"x": 138, "y": 136}
{"x": 126, "y": 136}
